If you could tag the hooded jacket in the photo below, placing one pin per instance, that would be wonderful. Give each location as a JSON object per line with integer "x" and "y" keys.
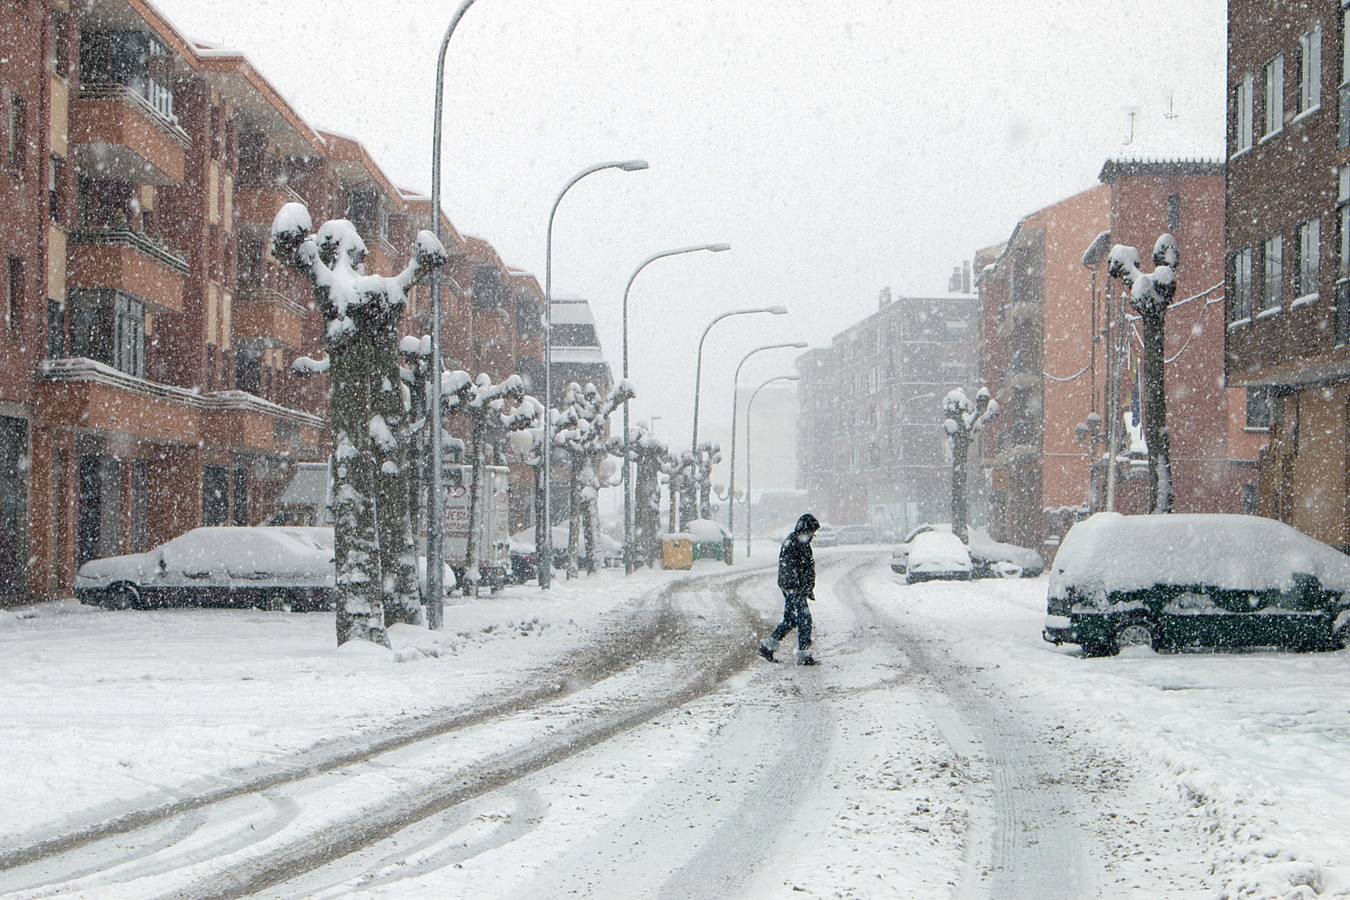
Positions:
{"x": 796, "y": 563}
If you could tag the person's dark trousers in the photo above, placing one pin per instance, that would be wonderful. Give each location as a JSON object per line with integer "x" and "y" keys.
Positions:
{"x": 796, "y": 614}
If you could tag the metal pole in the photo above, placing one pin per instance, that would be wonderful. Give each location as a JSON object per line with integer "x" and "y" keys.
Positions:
{"x": 1113, "y": 409}
{"x": 629, "y": 563}
{"x": 735, "y": 392}
{"x": 698, "y": 376}
{"x": 435, "y": 557}
{"x": 544, "y": 543}
{"x": 749, "y": 507}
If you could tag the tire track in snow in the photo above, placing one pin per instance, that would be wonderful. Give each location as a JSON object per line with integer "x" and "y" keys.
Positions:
{"x": 1028, "y": 844}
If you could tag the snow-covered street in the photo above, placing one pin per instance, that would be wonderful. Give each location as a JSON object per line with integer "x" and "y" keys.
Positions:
{"x": 621, "y": 739}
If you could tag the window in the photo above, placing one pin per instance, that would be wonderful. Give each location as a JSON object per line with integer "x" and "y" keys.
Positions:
{"x": 56, "y": 329}
{"x": 1242, "y": 284}
{"x": 1343, "y": 220}
{"x": 1272, "y": 266}
{"x": 140, "y": 505}
{"x": 215, "y": 495}
{"x": 239, "y": 504}
{"x": 16, "y": 138}
{"x": 1310, "y": 70}
{"x": 248, "y": 369}
{"x": 54, "y": 189}
{"x": 108, "y": 326}
{"x": 60, "y": 55}
{"x": 13, "y": 292}
{"x": 1173, "y": 212}
{"x": 1242, "y": 115}
{"x": 1309, "y": 258}
{"x": 1258, "y": 408}
{"x": 1274, "y": 96}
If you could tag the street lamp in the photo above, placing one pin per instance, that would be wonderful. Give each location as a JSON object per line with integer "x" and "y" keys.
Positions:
{"x": 749, "y": 498}
{"x": 435, "y": 573}
{"x": 735, "y": 389}
{"x": 698, "y": 367}
{"x": 544, "y": 544}
{"x": 628, "y": 562}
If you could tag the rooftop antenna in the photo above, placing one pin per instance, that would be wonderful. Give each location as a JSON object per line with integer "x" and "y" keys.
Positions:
{"x": 1131, "y": 112}
{"x": 1169, "y": 115}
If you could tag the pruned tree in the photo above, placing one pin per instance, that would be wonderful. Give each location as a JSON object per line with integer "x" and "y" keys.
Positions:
{"x": 1150, "y": 296}
{"x": 709, "y": 455}
{"x": 648, "y": 455}
{"x": 360, "y": 313}
{"x": 961, "y": 420}
{"x": 581, "y": 439}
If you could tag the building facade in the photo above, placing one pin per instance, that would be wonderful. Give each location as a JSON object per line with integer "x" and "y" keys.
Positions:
{"x": 148, "y": 333}
{"x": 1287, "y": 235}
{"x": 1060, "y": 349}
{"x": 872, "y": 449}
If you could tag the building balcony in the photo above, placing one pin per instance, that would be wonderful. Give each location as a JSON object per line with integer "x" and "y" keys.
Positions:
{"x": 257, "y": 204}
{"x": 118, "y": 134}
{"x": 266, "y": 314}
{"x": 127, "y": 261}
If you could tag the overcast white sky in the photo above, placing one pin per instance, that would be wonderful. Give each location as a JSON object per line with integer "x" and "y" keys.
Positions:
{"x": 838, "y": 146}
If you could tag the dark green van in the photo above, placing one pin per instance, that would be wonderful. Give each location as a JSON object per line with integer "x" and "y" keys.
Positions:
{"x": 1180, "y": 581}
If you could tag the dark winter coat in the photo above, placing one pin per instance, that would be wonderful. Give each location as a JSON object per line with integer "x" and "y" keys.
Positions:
{"x": 796, "y": 563}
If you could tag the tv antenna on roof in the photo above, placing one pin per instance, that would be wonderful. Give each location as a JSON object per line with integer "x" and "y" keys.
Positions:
{"x": 1131, "y": 112}
{"x": 1169, "y": 115}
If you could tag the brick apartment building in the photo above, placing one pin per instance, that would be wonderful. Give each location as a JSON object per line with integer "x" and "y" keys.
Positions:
{"x": 147, "y": 333}
{"x": 1287, "y": 234}
{"x": 1050, "y": 320}
{"x": 871, "y": 444}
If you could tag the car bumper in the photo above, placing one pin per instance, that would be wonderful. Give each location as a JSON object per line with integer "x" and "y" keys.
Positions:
{"x": 1059, "y": 630}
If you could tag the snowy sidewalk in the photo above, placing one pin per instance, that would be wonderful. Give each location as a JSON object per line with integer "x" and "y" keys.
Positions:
{"x": 104, "y": 711}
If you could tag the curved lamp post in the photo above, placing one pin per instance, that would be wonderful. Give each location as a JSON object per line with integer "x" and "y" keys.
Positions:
{"x": 749, "y": 505}
{"x": 628, "y": 554}
{"x": 698, "y": 367}
{"x": 544, "y": 544}
{"x": 735, "y": 391}
{"x": 435, "y": 567}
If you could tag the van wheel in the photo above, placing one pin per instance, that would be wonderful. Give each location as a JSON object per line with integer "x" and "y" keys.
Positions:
{"x": 1137, "y": 633}
{"x": 122, "y": 596}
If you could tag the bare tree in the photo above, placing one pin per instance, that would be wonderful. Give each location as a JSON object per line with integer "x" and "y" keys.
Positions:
{"x": 962, "y": 419}
{"x": 360, "y": 316}
{"x": 1150, "y": 296}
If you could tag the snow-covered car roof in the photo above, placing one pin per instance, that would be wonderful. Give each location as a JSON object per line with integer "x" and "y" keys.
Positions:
{"x": 706, "y": 530}
{"x": 234, "y": 551}
{"x": 1113, "y": 552}
{"x": 939, "y": 549}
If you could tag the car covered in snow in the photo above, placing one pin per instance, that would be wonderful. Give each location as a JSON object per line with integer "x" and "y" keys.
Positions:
{"x": 826, "y": 536}
{"x": 1179, "y": 581}
{"x": 988, "y": 558}
{"x": 937, "y": 555}
{"x": 271, "y": 567}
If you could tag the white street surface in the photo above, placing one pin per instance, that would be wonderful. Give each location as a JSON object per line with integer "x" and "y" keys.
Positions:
{"x": 620, "y": 738}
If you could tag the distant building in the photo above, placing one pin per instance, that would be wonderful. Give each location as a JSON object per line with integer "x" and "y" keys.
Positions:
{"x": 1051, "y": 325}
{"x": 1287, "y": 235}
{"x": 871, "y": 445}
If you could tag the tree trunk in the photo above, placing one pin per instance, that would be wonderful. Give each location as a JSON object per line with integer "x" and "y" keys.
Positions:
{"x": 573, "y": 519}
{"x": 1155, "y": 414}
{"x": 540, "y": 526}
{"x": 587, "y": 527}
{"x": 960, "y": 452}
{"x": 398, "y": 560}
{"x": 360, "y": 613}
{"x": 472, "y": 570}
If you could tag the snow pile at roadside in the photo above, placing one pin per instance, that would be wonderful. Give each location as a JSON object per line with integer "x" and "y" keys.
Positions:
{"x": 1254, "y": 743}
{"x": 104, "y": 710}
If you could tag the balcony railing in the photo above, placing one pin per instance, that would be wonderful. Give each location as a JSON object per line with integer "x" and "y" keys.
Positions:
{"x": 114, "y": 91}
{"x": 125, "y": 237}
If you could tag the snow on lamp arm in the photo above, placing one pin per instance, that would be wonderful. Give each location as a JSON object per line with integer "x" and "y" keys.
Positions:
{"x": 962, "y": 419}
{"x": 361, "y": 313}
{"x": 1150, "y": 296}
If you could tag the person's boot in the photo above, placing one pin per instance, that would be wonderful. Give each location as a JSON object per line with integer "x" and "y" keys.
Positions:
{"x": 767, "y": 647}
{"x": 804, "y": 658}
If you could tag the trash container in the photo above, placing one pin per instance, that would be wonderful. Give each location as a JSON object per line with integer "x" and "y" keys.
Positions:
{"x": 677, "y": 551}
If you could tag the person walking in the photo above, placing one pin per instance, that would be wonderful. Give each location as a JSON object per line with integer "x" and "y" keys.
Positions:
{"x": 797, "y": 581}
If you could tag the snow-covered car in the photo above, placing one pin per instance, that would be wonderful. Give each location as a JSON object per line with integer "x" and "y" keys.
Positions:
{"x": 263, "y": 566}
{"x": 857, "y": 534}
{"x": 1181, "y": 581}
{"x": 988, "y": 558}
{"x": 936, "y": 555}
{"x": 525, "y": 558}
